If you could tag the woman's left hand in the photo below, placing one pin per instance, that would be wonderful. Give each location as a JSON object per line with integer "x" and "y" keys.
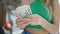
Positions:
{"x": 35, "y": 19}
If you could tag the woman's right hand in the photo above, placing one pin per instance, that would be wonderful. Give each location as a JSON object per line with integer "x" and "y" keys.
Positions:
{"x": 21, "y": 23}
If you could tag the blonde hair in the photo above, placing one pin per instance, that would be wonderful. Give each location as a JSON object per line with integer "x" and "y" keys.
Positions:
{"x": 49, "y": 5}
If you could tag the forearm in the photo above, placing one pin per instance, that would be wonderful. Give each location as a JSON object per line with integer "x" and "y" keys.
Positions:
{"x": 49, "y": 27}
{"x": 53, "y": 28}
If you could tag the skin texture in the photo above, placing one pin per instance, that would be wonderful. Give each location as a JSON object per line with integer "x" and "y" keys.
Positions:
{"x": 52, "y": 28}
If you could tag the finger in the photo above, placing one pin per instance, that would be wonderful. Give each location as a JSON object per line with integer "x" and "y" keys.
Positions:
{"x": 34, "y": 20}
{"x": 19, "y": 20}
{"x": 33, "y": 23}
{"x": 26, "y": 23}
{"x": 22, "y": 26}
{"x": 23, "y": 23}
{"x": 29, "y": 16}
{"x": 33, "y": 16}
{"x": 36, "y": 16}
{"x": 27, "y": 19}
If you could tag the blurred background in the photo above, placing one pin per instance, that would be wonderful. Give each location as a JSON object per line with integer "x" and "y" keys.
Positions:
{"x": 5, "y": 12}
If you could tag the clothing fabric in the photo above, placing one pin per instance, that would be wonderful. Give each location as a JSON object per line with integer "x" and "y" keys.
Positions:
{"x": 38, "y": 7}
{"x": 15, "y": 28}
{"x": 1, "y": 31}
{"x": 25, "y": 32}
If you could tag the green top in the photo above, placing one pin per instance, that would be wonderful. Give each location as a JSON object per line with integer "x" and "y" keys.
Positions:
{"x": 38, "y": 7}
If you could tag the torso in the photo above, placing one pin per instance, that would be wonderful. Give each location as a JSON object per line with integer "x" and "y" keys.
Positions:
{"x": 38, "y": 7}
{"x": 38, "y": 29}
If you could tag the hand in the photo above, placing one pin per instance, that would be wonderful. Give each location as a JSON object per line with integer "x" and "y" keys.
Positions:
{"x": 22, "y": 23}
{"x": 35, "y": 19}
